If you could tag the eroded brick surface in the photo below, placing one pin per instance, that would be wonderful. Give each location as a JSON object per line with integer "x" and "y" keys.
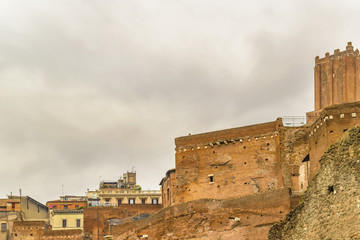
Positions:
{"x": 331, "y": 205}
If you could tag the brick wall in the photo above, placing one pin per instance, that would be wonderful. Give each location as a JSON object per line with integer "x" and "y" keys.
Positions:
{"x": 168, "y": 188}
{"x": 329, "y": 127}
{"x": 228, "y": 163}
{"x": 331, "y": 208}
{"x": 96, "y": 218}
{"x": 336, "y": 77}
{"x": 39, "y": 230}
{"x": 248, "y": 217}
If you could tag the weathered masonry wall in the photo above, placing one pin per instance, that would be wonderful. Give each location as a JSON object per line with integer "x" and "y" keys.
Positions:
{"x": 228, "y": 163}
{"x": 168, "y": 188}
{"x": 96, "y": 218}
{"x": 39, "y": 230}
{"x": 294, "y": 147}
{"x": 328, "y": 128}
{"x": 331, "y": 208}
{"x": 337, "y": 78}
{"x": 248, "y": 217}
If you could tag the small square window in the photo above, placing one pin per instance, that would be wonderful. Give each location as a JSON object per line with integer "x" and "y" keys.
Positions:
{"x": 143, "y": 201}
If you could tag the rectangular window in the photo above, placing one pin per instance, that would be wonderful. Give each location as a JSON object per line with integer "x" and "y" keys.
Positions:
{"x": 143, "y": 201}
{"x": 54, "y": 207}
{"x": 131, "y": 201}
{"x": 78, "y": 223}
{"x": 3, "y": 227}
{"x": 154, "y": 201}
{"x": 211, "y": 178}
{"x": 64, "y": 223}
{"x": 119, "y": 202}
{"x": 76, "y": 206}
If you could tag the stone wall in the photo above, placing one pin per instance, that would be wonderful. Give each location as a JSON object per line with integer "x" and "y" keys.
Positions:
{"x": 331, "y": 204}
{"x": 248, "y": 217}
{"x": 96, "y": 218}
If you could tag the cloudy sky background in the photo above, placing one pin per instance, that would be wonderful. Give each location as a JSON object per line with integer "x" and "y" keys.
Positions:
{"x": 90, "y": 88}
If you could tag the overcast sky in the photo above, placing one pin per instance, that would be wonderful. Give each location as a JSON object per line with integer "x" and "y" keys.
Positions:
{"x": 92, "y": 88}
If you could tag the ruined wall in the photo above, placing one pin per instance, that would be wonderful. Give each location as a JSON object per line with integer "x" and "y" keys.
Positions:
{"x": 328, "y": 128}
{"x": 63, "y": 235}
{"x": 96, "y": 218}
{"x": 294, "y": 147}
{"x": 248, "y": 217}
{"x": 228, "y": 163}
{"x": 39, "y": 230}
{"x": 28, "y": 230}
{"x": 168, "y": 188}
{"x": 337, "y": 78}
{"x": 331, "y": 206}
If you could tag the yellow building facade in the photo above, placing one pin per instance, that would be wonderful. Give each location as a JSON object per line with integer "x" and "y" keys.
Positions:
{"x": 66, "y": 219}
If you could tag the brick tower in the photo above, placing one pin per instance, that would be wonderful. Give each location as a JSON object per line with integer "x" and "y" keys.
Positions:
{"x": 337, "y": 78}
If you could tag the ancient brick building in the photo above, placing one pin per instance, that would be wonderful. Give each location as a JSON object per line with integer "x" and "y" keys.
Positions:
{"x": 251, "y": 160}
{"x": 168, "y": 188}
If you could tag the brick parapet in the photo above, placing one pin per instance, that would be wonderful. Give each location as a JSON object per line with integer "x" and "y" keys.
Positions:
{"x": 224, "y": 137}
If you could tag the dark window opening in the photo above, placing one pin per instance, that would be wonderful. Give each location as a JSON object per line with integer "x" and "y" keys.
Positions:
{"x": 78, "y": 223}
{"x": 211, "y": 179}
{"x": 306, "y": 159}
{"x": 244, "y": 147}
{"x": 268, "y": 144}
{"x": 344, "y": 130}
{"x": 330, "y": 189}
{"x": 143, "y": 201}
{"x": 331, "y": 131}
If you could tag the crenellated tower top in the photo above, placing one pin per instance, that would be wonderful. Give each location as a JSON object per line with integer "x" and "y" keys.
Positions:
{"x": 337, "y": 77}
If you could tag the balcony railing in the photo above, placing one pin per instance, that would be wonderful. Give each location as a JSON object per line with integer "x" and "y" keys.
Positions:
{"x": 129, "y": 192}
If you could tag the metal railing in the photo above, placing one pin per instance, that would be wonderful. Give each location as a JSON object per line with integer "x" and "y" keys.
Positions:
{"x": 294, "y": 121}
